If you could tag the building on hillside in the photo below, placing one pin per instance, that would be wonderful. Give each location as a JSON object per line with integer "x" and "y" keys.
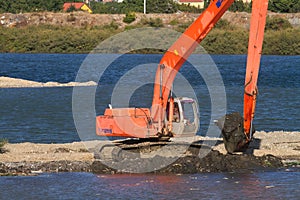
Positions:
{"x": 195, "y": 3}
{"x": 89, "y": 1}
{"x": 77, "y": 6}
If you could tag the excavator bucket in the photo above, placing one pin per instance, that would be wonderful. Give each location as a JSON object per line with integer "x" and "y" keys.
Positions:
{"x": 232, "y": 126}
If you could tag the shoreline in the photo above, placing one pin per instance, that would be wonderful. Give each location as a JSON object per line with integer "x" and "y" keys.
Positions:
{"x": 272, "y": 150}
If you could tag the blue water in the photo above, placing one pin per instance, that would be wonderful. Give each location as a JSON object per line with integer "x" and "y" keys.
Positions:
{"x": 45, "y": 114}
{"x": 259, "y": 185}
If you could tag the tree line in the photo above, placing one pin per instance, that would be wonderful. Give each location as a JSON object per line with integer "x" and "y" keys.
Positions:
{"x": 153, "y": 6}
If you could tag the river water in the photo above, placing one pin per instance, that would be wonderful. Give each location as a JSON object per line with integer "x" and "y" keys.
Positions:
{"x": 258, "y": 185}
{"x": 44, "y": 115}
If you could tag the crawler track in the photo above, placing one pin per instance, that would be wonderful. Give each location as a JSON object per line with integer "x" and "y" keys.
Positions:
{"x": 131, "y": 149}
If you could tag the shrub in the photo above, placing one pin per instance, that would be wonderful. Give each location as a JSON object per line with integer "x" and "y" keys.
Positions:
{"x": 113, "y": 26}
{"x": 183, "y": 26}
{"x": 157, "y": 22}
{"x": 174, "y": 22}
{"x": 2, "y": 143}
{"x": 277, "y": 23}
{"x": 223, "y": 24}
{"x": 284, "y": 42}
{"x": 130, "y": 17}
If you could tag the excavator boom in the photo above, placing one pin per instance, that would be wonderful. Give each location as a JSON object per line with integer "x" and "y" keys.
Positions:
{"x": 131, "y": 122}
{"x": 179, "y": 52}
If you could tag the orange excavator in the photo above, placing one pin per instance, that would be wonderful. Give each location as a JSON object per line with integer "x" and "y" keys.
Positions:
{"x": 168, "y": 115}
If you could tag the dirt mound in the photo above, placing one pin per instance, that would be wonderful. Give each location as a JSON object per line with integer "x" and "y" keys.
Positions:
{"x": 213, "y": 162}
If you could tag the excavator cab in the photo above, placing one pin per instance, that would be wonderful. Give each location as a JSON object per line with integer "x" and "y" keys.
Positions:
{"x": 185, "y": 120}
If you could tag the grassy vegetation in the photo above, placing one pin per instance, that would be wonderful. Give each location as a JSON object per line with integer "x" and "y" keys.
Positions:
{"x": 54, "y": 39}
{"x": 2, "y": 143}
{"x": 130, "y": 17}
{"x": 280, "y": 38}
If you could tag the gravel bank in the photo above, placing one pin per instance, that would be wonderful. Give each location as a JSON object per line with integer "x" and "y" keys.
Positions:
{"x": 269, "y": 150}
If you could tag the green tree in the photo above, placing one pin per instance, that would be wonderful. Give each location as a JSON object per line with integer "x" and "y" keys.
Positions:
{"x": 206, "y": 3}
{"x": 71, "y": 8}
{"x": 284, "y": 6}
{"x": 153, "y": 6}
{"x": 240, "y": 6}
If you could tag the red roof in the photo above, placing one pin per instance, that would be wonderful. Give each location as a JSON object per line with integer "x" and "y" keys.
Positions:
{"x": 76, "y": 5}
{"x": 191, "y": 1}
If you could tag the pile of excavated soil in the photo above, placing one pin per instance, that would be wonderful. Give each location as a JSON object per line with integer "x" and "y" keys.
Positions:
{"x": 214, "y": 161}
{"x": 268, "y": 150}
{"x": 7, "y": 82}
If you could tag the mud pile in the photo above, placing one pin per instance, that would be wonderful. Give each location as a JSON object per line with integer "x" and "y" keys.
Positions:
{"x": 214, "y": 161}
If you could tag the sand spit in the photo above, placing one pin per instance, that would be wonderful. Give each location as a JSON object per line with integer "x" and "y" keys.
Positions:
{"x": 268, "y": 150}
{"x": 7, "y": 82}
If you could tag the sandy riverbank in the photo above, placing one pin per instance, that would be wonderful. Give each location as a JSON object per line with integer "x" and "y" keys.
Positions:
{"x": 268, "y": 147}
{"x": 285, "y": 145}
{"x": 7, "y": 82}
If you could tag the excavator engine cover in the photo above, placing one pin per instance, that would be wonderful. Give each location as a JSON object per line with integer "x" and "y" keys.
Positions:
{"x": 232, "y": 126}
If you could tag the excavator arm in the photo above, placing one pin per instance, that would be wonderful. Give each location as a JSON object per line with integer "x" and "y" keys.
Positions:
{"x": 256, "y": 36}
{"x": 178, "y": 53}
{"x": 237, "y": 131}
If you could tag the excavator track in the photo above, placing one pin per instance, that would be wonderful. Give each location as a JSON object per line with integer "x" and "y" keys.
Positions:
{"x": 133, "y": 149}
